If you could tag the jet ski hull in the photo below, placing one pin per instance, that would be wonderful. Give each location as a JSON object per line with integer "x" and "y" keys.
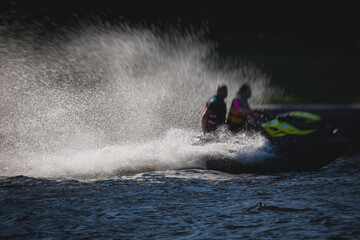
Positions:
{"x": 273, "y": 164}
{"x": 299, "y": 140}
{"x": 296, "y": 154}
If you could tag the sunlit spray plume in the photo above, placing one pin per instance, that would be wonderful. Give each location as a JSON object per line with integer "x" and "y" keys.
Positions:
{"x": 105, "y": 99}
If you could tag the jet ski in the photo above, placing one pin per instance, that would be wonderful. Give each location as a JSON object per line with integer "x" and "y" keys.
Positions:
{"x": 300, "y": 141}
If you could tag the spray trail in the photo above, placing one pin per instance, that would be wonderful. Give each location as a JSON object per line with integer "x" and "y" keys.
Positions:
{"x": 67, "y": 103}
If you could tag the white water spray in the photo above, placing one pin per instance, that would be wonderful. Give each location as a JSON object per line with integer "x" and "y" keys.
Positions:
{"x": 114, "y": 100}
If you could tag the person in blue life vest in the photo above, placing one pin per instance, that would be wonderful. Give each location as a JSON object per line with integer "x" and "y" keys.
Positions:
{"x": 240, "y": 110}
{"x": 214, "y": 114}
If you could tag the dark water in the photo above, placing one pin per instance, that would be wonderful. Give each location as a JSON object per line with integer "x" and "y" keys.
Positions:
{"x": 186, "y": 204}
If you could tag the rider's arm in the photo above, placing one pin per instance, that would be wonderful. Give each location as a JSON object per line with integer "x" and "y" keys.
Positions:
{"x": 204, "y": 120}
{"x": 250, "y": 113}
{"x": 244, "y": 111}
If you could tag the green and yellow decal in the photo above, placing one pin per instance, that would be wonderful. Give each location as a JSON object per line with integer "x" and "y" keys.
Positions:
{"x": 278, "y": 128}
{"x": 309, "y": 117}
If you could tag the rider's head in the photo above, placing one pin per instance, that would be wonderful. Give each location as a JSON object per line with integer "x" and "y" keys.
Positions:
{"x": 245, "y": 91}
{"x": 221, "y": 91}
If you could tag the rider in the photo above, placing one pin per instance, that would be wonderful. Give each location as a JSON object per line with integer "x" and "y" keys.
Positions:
{"x": 215, "y": 110}
{"x": 240, "y": 110}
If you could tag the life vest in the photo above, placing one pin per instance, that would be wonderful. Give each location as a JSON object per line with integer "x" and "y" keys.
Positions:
{"x": 235, "y": 117}
{"x": 218, "y": 109}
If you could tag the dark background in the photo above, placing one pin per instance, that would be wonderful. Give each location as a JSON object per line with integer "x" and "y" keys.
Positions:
{"x": 223, "y": 17}
{"x": 310, "y": 48}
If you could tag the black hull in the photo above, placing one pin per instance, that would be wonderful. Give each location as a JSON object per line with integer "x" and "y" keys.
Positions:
{"x": 294, "y": 159}
{"x": 290, "y": 153}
